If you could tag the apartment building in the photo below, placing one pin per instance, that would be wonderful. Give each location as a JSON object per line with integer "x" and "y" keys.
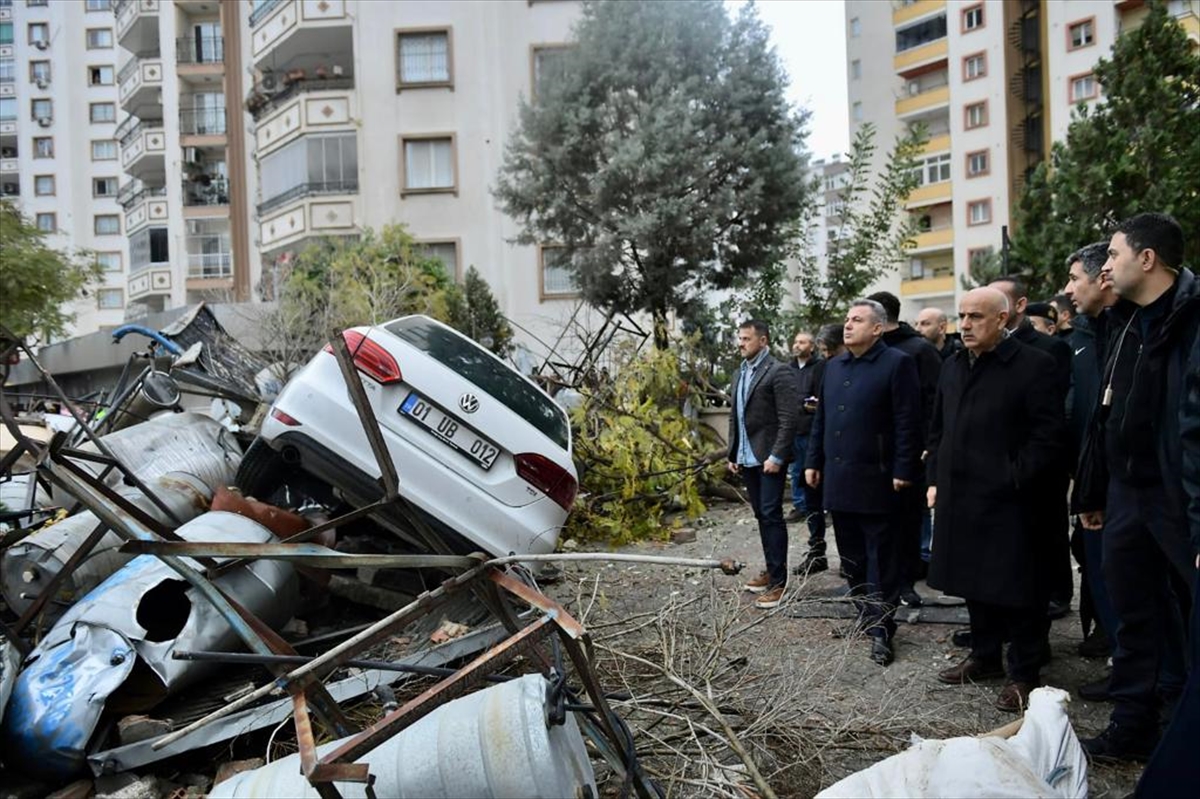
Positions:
{"x": 994, "y": 83}
{"x": 58, "y": 154}
{"x": 833, "y": 176}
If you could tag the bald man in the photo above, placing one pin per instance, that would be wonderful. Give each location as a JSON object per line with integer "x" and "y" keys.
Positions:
{"x": 931, "y": 323}
{"x": 997, "y": 435}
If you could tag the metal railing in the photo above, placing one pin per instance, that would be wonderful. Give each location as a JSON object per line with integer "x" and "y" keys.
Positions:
{"x": 204, "y": 50}
{"x": 135, "y": 198}
{"x": 262, "y": 10}
{"x": 215, "y": 193}
{"x": 202, "y": 121}
{"x": 141, "y": 125}
{"x": 308, "y": 189}
{"x": 210, "y": 264}
{"x": 129, "y": 69}
{"x": 262, "y": 101}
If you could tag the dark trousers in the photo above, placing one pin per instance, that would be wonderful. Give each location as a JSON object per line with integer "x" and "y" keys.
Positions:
{"x": 766, "y": 498}
{"x": 807, "y": 500}
{"x": 1140, "y": 549}
{"x": 1025, "y": 629}
{"x": 1092, "y": 549}
{"x": 867, "y": 543}
{"x": 910, "y": 524}
{"x": 1175, "y": 765}
{"x": 1055, "y": 538}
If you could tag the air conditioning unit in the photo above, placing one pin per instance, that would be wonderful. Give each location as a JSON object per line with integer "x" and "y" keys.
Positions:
{"x": 42, "y": 44}
{"x": 42, "y": 83}
{"x": 269, "y": 82}
{"x": 10, "y": 188}
{"x": 914, "y": 88}
{"x": 45, "y": 122}
{"x": 8, "y": 152}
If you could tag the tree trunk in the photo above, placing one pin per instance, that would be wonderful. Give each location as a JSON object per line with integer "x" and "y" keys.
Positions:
{"x": 661, "y": 342}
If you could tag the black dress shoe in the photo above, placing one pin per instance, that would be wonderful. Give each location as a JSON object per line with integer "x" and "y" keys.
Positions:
{"x": 970, "y": 670}
{"x": 1096, "y": 691}
{"x": 1058, "y": 609}
{"x": 911, "y": 598}
{"x": 795, "y": 516}
{"x": 961, "y": 638}
{"x": 1119, "y": 742}
{"x": 1095, "y": 645}
{"x": 881, "y": 650}
{"x": 811, "y": 564}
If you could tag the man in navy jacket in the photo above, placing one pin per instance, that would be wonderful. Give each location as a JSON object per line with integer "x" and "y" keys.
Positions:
{"x": 865, "y": 447}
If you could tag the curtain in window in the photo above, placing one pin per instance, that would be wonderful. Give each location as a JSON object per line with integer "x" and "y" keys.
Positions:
{"x": 423, "y": 58}
{"x": 428, "y": 164}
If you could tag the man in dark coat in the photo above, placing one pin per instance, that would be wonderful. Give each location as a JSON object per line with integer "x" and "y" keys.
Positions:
{"x": 900, "y": 336}
{"x": 806, "y": 500}
{"x": 931, "y": 323}
{"x": 997, "y": 435}
{"x": 865, "y": 448}
{"x": 762, "y": 426}
{"x": 1054, "y": 559}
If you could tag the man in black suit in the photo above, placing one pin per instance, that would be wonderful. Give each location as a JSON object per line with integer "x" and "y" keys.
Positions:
{"x": 762, "y": 426}
{"x": 806, "y": 500}
{"x": 865, "y": 448}
{"x": 997, "y": 435}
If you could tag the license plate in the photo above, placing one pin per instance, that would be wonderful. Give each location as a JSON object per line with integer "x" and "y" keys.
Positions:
{"x": 450, "y": 430}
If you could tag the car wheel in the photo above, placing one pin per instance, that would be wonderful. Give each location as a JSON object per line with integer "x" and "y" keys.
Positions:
{"x": 262, "y": 471}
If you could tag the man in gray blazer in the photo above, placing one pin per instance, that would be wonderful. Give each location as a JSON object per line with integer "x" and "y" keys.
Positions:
{"x": 762, "y": 425}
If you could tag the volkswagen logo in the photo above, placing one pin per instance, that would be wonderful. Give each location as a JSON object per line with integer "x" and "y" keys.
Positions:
{"x": 469, "y": 403}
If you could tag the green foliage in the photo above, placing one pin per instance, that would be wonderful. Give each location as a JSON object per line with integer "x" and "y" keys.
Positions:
{"x": 1137, "y": 150}
{"x": 663, "y": 156}
{"x": 872, "y": 236}
{"x": 985, "y": 266}
{"x": 643, "y": 456}
{"x": 472, "y": 310}
{"x": 36, "y": 281}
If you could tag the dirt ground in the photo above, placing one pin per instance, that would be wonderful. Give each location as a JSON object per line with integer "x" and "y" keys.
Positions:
{"x": 810, "y": 708}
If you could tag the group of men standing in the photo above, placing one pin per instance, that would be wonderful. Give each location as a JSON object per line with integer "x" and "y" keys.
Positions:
{"x": 990, "y": 431}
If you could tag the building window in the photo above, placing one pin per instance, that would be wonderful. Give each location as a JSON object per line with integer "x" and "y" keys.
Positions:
{"x": 972, "y": 18}
{"x": 43, "y": 147}
{"x": 104, "y": 150}
{"x": 857, "y": 110}
{"x": 99, "y": 38}
{"x": 976, "y": 115}
{"x": 100, "y": 76}
{"x": 106, "y": 224}
{"x": 8, "y": 109}
{"x": 109, "y": 261}
{"x": 42, "y": 108}
{"x": 43, "y": 185}
{"x": 309, "y": 165}
{"x": 978, "y": 163}
{"x": 423, "y": 58}
{"x": 979, "y": 212}
{"x": 1083, "y": 87}
{"x": 102, "y": 112}
{"x": 39, "y": 72}
{"x": 104, "y": 187}
{"x": 548, "y": 64}
{"x": 147, "y": 247}
{"x": 1081, "y": 34}
{"x": 974, "y": 66}
{"x": 110, "y": 298}
{"x": 47, "y": 223}
{"x": 934, "y": 169}
{"x": 428, "y": 164}
{"x": 921, "y": 33}
{"x": 209, "y": 253}
{"x": 8, "y": 70}
{"x": 98, "y": 5}
{"x": 556, "y": 278}
{"x": 36, "y": 3}
{"x": 444, "y": 251}
{"x": 856, "y": 69}
{"x": 6, "y": 33}
{"x": 39, "y": 32}
{"x": 855, "y": 28}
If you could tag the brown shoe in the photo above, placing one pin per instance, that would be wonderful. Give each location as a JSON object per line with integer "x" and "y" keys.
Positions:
{"x": 759, "y": 584}
{"x": 970, "y": 670}
{"x": 770, "y": 599}
{"x": 1014, "y": 697}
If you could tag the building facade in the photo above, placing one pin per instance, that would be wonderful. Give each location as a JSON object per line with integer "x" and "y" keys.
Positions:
{"x": 994, "y": 83}
{"x": 58, "y": 154}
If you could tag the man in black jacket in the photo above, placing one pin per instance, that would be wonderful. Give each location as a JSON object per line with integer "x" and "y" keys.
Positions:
{"x": 901, "y": 336}
{"x": 1152, "y": 330}
{"x": 931, "y": 323}
{"x": 806, "y": 500}
{"x": 1055, "y": 557}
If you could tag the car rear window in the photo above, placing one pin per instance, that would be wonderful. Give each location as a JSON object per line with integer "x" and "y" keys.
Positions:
{"x": 479, "y": 366}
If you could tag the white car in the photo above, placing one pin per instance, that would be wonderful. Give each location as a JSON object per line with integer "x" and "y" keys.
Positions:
{"x": 480, "y": 450}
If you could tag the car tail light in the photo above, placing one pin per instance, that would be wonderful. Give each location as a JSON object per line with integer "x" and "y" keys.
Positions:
{"x": 548, "y": 477}
{"x": 370, "y": 357}
{"x": 290, "y": 421}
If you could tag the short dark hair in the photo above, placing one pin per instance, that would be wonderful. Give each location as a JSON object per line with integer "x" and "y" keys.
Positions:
{"x": 1155, "y": 231}
{"x": 1019, "y": 289}
{"x": 890, "y": 303}
{"x": 1092, "y": 258}
{"x": 1062, "y": 301}
{"x": 831, "y": 336}
{"x": 761, "y": 328}
{"x": 1042, "y": 309}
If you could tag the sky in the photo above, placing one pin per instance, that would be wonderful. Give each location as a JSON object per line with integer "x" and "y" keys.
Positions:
{"x": 810, "y": 38}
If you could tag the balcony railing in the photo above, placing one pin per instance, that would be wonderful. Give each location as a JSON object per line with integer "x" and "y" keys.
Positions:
{"x": 216, "y": 192}
{"x": 140, "y": 125}
{"x": 204, "y": 50}
{"x": 127, "y": 201}
{"x": 261, "y": 11}
{"x": 210, "y": 264}
{"x": 262, "y": 101}
{"x": 202, "y": 121}
{"x": 308, "y": 189}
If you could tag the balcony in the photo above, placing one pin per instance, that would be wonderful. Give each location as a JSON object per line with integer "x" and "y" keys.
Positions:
{"x": 264, "y": 99}
{"x": 910, "y": 11}
{"x": 927, "y": 286}
{"x": 143, "y": 207}
{"x": 921, "y": 58}
{"x": 151, "y": 284}
{"x": 310, "y": 112}
{"x": 308, "y": 190}
{"x": 202, "y": 122}
{"x": 210, "y": 265}
{"x": 284, "y": 32}
{"x": 140, "y": 85}
{"x": 928, "y": 100}
{"x": 200, "y": 50}
{"x": 8, "y": 165}
{"x": 309, "y": 217}
{"x": 206, "y": 195}
{"x": 261, "y": 9}
{"x": 937, "y": 144}
{"x": 935, "y": 239}
{"x": 143, "y": 152}
{"x": 931, "y": 194}
{"x": 137, "y": 25}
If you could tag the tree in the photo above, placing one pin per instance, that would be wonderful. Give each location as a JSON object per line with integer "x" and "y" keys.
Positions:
{"x": 1136, "y": 151}
{"x": 872, "y": 234}
{"x": 662, "y": 155}
{"x": 36, "y": 281}
{"x": 472, "y": 310}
